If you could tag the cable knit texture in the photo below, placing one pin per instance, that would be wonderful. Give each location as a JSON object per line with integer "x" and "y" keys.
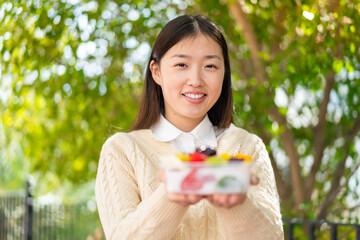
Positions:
{"x": 132, "y": 203}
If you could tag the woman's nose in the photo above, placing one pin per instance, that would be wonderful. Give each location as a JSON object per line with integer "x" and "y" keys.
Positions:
{"x": 195, "y": 78}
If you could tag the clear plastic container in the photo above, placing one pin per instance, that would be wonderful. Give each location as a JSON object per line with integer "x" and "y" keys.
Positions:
{"x": 202, "y": 178}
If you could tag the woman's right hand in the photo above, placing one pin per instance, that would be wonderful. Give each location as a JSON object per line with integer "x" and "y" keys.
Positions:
{"x": 182, "y": 199}
{"x": 230, "y": 200}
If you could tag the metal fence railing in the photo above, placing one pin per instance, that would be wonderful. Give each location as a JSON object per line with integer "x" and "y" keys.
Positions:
{"x": 25, "y": 218}
{"x": 11, "y": 217}
{"x": 315, "y": 229}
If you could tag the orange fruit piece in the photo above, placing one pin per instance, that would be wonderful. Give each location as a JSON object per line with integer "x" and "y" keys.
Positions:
{"x": 183, "y": 157}
{"x": 247, "y": 158}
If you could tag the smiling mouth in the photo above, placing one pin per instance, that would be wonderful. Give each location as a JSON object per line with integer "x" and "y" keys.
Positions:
{"x": 194, "y": 96}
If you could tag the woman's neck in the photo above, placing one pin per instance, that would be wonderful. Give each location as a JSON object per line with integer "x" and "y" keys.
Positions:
{"x": 182, "y": 123}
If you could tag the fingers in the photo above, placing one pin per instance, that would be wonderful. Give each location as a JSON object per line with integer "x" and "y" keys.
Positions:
{"x": 218, "y": 200}
{"x": 236, "y": 199}
{"x": 161, "y": 176}
{"x": 178, "y": 198}
{"x": 192, "y": 198}
{"x": 226, "y": 200}
{"x": 231, "y": 200}
{"x": 184, "y": 199}
{"x": 254, "y": 180}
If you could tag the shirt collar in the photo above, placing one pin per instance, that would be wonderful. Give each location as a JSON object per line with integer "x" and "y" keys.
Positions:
{"x": 204, "y": 132}
{"x": 164, "y": 131}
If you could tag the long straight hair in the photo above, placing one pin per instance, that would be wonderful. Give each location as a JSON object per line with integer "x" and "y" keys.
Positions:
{"x": 152, "y": 100}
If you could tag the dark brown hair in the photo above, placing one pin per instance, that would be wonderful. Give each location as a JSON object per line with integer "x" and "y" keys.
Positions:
{"x": 152, "y": 100}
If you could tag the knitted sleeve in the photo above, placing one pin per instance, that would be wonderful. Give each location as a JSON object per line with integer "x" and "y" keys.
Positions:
{"x": 123, "y": 214}
{"x": 259, "y": 216}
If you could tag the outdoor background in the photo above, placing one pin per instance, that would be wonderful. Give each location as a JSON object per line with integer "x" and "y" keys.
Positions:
{"x": 71, "y": 73}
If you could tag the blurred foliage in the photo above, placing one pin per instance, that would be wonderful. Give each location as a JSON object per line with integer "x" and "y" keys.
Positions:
{"x": 303, "y": 46}
{"x": 72, "y": 71}
{"x": 65, "y": 84}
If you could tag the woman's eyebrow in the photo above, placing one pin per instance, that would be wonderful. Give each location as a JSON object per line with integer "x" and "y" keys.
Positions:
{"x": 213, "y": 56}
{"x": 180, "y": 56}
{"x": 187, "y": 56}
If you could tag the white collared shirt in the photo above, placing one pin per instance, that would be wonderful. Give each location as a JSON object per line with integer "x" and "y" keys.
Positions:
{"x": 204, "y": 134}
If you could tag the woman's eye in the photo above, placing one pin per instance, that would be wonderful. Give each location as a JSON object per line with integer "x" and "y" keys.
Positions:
{"x": 210, "y": 66}
{"x": 180, "y": 65}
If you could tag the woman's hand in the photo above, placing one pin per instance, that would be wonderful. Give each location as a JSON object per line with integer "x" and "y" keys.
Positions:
{"x": 184, "y": 200}
{"x": 231, "y": 200}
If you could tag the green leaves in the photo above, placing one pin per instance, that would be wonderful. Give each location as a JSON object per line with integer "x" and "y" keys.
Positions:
{"x": 301, "y": 48}
{"x": 67, "y": 91}
{"x": 337, "y": 65}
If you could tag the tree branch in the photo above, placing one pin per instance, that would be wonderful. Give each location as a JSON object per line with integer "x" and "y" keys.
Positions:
{"x": 319, "y": 135}
{"x": 295, "y": 169}
{"x": 340, "y": 168}
{"x": 319, "y": 131}
{"x": 283, "y": 189}
{"x": 275, "y": 41}
{"x": 333, "y": 5}
{"x": 335, "y": 187}
{"x": 350, "y": 209}
{"x": 355, "y": 129}
{"x": 250, "y": 38}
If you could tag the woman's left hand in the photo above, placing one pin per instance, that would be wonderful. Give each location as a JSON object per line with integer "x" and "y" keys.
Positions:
{"x": 231, "y": 200}
{"x": 182, "y": 199}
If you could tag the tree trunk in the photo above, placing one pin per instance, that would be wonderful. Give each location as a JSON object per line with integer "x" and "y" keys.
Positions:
{"x": 319, "y": 136}
{"x": 250, "y": 38}
{"x": 340, "y": 169}
{"x": 287, "y": 137}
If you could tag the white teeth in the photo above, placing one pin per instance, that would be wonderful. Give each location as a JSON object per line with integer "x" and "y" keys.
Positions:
{"x": 194, "y": 96}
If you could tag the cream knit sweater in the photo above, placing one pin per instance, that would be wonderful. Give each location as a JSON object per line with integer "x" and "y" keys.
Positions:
{"x": 132, "y": 203}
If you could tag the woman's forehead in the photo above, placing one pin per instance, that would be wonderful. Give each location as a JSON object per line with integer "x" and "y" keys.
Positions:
{"x": 195, "y": 44}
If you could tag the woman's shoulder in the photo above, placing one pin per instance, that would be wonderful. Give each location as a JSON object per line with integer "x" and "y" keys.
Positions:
{"x": 240, "y": 133}
{"x": 241, "y": 140}
{"x": 125, "y": 139}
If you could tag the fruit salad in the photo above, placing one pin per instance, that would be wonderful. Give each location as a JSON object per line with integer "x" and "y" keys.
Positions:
{"x": 205, "y": 172}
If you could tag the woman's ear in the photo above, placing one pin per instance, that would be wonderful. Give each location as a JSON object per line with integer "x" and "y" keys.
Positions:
{"x": 155, "y": 72}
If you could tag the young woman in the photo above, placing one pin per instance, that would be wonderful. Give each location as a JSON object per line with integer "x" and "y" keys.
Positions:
{"x": 186, "y": 103}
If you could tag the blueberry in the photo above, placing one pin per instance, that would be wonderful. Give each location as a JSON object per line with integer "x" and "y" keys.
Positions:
{"x": 236, "y": 160}
{"x": 208, "y": 151}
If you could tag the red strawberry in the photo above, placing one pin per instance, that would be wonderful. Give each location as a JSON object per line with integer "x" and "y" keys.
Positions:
{"x": 197, "y": 157}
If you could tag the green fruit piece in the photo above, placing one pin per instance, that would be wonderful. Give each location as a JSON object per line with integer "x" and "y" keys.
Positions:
{"x": 226, "y": 182}
{"x": 215, "y": 161}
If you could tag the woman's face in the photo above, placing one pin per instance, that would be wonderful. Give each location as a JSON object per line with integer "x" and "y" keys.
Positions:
{"x": 190, "y": 74}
